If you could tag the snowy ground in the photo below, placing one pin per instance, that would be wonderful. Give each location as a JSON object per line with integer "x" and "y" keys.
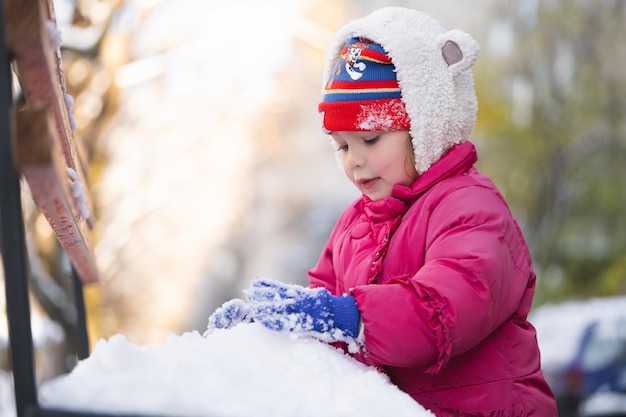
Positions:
{"x": 244, "y": 371}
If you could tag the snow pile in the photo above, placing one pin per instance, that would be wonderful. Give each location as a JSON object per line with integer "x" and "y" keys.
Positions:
{"x": 244, "y": 371}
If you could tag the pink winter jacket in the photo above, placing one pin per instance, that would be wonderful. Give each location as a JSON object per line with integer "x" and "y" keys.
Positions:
{"x": 443, "y": 279}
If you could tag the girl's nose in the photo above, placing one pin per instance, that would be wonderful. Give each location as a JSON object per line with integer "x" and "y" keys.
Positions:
{"x": 354, "y": 159}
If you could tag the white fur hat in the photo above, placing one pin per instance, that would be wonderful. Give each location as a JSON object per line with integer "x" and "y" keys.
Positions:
{"x": 433, "y": 71}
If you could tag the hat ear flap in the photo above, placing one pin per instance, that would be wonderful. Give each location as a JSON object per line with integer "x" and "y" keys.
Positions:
{"x": 459, "y": 50}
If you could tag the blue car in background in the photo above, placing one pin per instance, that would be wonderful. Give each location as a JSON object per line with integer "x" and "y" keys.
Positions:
{"x": 580, "y": 343}
{"x": 602, "y": 364}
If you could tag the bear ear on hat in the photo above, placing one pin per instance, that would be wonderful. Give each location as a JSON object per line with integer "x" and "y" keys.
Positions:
{"x": 458, "y": 49}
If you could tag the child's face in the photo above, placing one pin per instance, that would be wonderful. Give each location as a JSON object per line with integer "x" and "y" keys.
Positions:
{"x": 376, "y": 161}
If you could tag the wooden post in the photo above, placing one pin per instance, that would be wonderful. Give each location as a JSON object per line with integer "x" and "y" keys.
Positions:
{"x": 41, "y": 161}
{"x": 46, "y": 143}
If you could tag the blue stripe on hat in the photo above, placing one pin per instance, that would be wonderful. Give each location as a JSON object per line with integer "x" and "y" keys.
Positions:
{"x": 359, "y": 95}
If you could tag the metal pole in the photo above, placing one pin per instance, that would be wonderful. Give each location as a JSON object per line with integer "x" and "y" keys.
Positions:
{"x": 13, "y": 245}
{"x": 82, "y": 335}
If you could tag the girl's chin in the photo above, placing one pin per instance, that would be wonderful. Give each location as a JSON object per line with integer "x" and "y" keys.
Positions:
{"x": 376, "y": 196}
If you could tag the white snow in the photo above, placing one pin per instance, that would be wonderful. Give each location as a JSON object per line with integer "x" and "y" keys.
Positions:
{"x": 78, "y": 192}
{"x": 7, "y": 401}
{"x": 244, "y": 371}
{"x": 603, "y": 403}
{"x": 54, "y": 34}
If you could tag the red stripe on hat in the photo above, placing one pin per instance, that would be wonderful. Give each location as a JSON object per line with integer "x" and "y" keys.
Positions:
{"x": 375, "y": 55}
{"x": 363, "y": 85}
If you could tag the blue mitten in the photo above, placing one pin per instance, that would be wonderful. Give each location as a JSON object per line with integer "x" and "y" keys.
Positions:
{"x": 230, "y": 314}
{"x": 313, "y": 311}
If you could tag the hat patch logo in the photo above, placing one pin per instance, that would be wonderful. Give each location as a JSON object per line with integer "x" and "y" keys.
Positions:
{"x": 353, "y": 68}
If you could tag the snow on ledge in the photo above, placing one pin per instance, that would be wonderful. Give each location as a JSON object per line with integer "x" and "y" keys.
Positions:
{"x": 241, "y": 372}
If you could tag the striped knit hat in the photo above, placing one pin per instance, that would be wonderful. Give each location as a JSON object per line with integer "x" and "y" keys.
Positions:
{"x": 362, "y": 92}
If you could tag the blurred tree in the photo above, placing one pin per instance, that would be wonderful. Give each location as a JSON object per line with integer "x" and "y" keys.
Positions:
{"x": 556, "y": 137}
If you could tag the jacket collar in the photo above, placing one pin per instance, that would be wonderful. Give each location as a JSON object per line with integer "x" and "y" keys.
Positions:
{"x": 459, "y": 159}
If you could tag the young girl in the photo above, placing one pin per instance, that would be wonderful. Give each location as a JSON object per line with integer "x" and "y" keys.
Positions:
{"x": 427, "y": 276}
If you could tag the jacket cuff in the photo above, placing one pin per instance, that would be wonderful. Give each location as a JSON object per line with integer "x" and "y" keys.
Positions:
{"x": 346, "y": 315}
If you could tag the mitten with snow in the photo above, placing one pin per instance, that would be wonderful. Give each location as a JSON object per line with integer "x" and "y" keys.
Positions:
{"x": 230, "y": 314}
{"x": 311, "y": 311}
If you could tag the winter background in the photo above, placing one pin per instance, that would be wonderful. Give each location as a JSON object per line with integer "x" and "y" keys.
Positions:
{"x": 214, "y": 171}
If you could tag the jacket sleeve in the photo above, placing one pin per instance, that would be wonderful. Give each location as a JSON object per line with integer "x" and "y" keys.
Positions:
{"x": 323, "y": 274}
{"x": 475, "y": 274}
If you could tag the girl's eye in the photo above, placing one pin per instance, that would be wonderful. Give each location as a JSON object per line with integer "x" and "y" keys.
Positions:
{"x": 372, "y": 140}
{"x": 342, "y": 147}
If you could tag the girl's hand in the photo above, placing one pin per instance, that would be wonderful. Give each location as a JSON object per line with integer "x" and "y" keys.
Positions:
{"x": 230, "y": 314}
{"x": 296, "y": 309}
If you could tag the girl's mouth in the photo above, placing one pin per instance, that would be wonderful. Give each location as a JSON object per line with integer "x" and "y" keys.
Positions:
{"x": 368, "y": 183}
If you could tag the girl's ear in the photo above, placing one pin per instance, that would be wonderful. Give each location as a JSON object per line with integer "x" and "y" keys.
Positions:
{"x": 458, "y": 49}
